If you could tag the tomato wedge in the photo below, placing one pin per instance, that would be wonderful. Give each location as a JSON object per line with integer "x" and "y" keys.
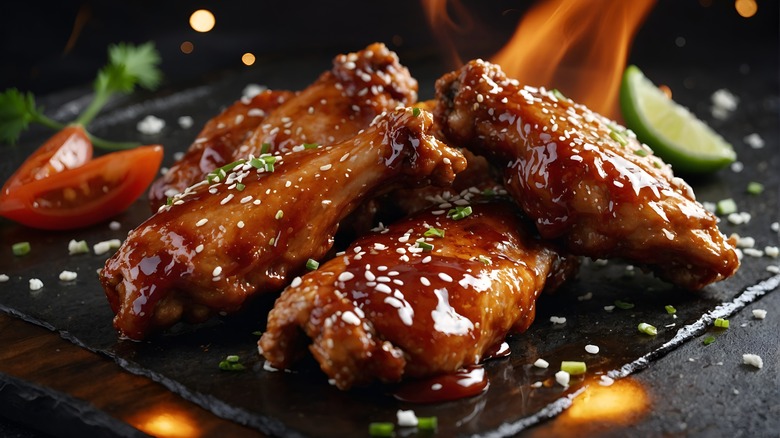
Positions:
{"x": 86, "y": 195}
{"x": 67, "y": 149}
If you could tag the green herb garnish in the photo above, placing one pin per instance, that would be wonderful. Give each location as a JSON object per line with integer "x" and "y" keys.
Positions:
{"x": 231, "y": 363}
{"x": 618, "y": 137}
{"x": 20, "y": 248}
{"x": 310, "y": 145}
{"x": 647, "y": 329}
{"x": 265, "y": 148}
{"x": 427, "y": 423}
{"x": 708, "y": 340}
{"x": 381, "y": 429}
{"x": 312, "y": 264}
{"x": 755, "y": 188}
{"x": 415, "y": 111}
{"x": 574, "y": 367}
{"x": 424, "y": 245}
{"x": 721, "y": 323}
{"x": 459, "y": 213}
{"x": 625, "y": 305}
{"x": 433, "y": 232}
{"x": 670, "y": 309}
{"x": 128, "y": 66}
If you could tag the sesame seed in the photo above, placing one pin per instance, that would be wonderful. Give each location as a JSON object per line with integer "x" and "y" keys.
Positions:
{"x": 350, "y": 318}
{"x": 370, "y": 276}
{"x": 240, "y": 224}
{"x": 445, "y": 277}
{"x": 201, "y": 222}
{"x": 226, "y": 199}
{"x": 325, "y": 167}
{"x": 346, "y": 276}
{"x": 199, "y": 248}
{"x": 296, "y": 282}
{"x": 381, "y": 287}
{"x": 427, "y": 259}
{"x": 216, "y": 271}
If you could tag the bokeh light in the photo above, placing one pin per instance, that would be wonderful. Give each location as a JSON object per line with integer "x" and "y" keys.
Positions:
{"x": 746, "y": 8}
{"x": 248, "y": 58}
{"x": 186, "y": 47}
{"x": 202, "y": 20}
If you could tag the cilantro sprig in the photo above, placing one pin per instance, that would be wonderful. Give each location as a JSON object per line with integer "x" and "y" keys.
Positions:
{"x": 128, "y": 66}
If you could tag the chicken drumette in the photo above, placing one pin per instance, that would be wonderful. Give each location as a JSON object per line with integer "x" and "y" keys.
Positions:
{"x": 426, "y": 296}
{"x": 586, "y": 181}
{"x": 253, "y": 224}
{"x": 341, "y": 102}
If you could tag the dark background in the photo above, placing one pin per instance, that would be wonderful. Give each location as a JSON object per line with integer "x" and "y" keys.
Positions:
{"x": 48, "y": 46}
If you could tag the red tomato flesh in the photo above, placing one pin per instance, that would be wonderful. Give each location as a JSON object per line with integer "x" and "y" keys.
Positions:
{"x": 67, "y": 149}
{"x": 86, "y": 195}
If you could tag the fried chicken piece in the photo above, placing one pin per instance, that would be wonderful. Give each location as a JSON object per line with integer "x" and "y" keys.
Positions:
{"x": 341, "y": 102}
{"x": 391, "y": 308}
{"x": 216, "y": 144}
{"x": 253, "y": 228}
{"x": 586, "y": 181}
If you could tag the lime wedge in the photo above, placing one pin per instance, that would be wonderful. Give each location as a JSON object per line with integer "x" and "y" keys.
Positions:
{"x": 673, "y": 132}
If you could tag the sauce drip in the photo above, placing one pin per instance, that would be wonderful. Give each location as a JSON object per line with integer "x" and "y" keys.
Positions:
{"x": 466, "y": 382}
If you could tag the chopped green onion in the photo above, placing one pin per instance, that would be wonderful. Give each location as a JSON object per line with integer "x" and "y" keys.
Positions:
{"x": 381, "y": 429}
{"x": 618, "y": 137}
{"x": 641, "y": 152}
{"x": 415, "y": 111}
{"x": 427, "y": 423}
{"x": 755, "y": 188}
{"x": 625, "y": 305}
{"x": 169, "y": 201}
{"x": 310, "y": 145}
{"x": 726, "y": 206}
{"x": 257, "y": 333}
{"x": 557, "y": 93}
{"x": 722, "y": 323}
{"x": 670, "y": 310}
{"x": 221, "y": 172}
{"x": 240, "y": 187}
{"x": 657, "y": 164}
{"x": 265, "y": 148}
{"x": 312, "y": 264}
{"x": 20, "y": 248}
{"x": 265, "y": 162}
{"x": 489, "y": 192}
{"x": 231, "y": 363}
{"x": 708, "y": 340}
{"x": 574, "y": 368}
{"x": 279, "y": 215}
{"x": 459, "y": 213}
{"x": 424, "y": 245}
{"x": 647, "y": 329}
{"x": 434, "y": 232}
{"x": 485, "y": 260}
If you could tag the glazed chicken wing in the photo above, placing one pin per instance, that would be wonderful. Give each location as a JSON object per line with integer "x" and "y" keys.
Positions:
{"x": 335, "y": 107}
{"x": 407, "y": 301}
{"x": 585, "y": 180}
{"x": 216, "y": 144}
{"x": 252, "y": 226}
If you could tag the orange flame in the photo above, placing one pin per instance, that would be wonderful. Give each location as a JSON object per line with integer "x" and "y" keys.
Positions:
{"x": 579, "y": 47}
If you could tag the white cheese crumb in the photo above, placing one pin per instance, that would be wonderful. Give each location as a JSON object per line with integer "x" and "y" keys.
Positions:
{"x": 746, "y": 242}
{"x": 609, "y": 308}
{"x": 77, "y": 247}
{"x": 592, "y": 349}
{"x": 185, "y": 122}
{"x": 759, "y": 313}
{"x": 406, "y": 418}
{"x": 606, "y": 380}
{"x": 36, "y": 284}
{"x": 723, "y": 103}
{"x": 754, "y": 141}
{"x": 268, "y": 367}
{"x": 558, "y": 320}
{"x": 772, "y": 251}
{"x": 68, "y": 275}
{"x": 774, "y": 269}
{"x": 775, "y": 226}
{"x": 563, "y": 378}
{"x": 150, "y": 125}
{"x": 105, "y": 246}
{"x": 737, "y": 166}
{"x": 753, "y": 359}
{"x": 753, "y": 252}
{"x": 541, "y": 363}
{"x": 114, "y": 226}
{"x": 585, "y": 297}
{"x": 4, "y": 278}
{"x": 252, "y": 90}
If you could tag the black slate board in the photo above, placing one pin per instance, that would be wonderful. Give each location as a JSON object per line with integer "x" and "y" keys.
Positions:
{"x": 186, "y": 358}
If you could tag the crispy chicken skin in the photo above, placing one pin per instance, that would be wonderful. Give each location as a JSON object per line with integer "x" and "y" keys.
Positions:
{"x": 216, "y": 144}
{"x": 586, "y": 181}
{"x": 341, "y": 102}
{"x": 388, "y": 309}
{"x": 253, "y": 229}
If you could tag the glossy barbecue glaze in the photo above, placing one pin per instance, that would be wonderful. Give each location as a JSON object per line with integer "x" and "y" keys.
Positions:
{"x": 585, "y": 180}
{"x": 250, "y": 229}
{"x": 216, "y": 144}
{"x": 392, "y": 307}
{"x": 335, "y": 107}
